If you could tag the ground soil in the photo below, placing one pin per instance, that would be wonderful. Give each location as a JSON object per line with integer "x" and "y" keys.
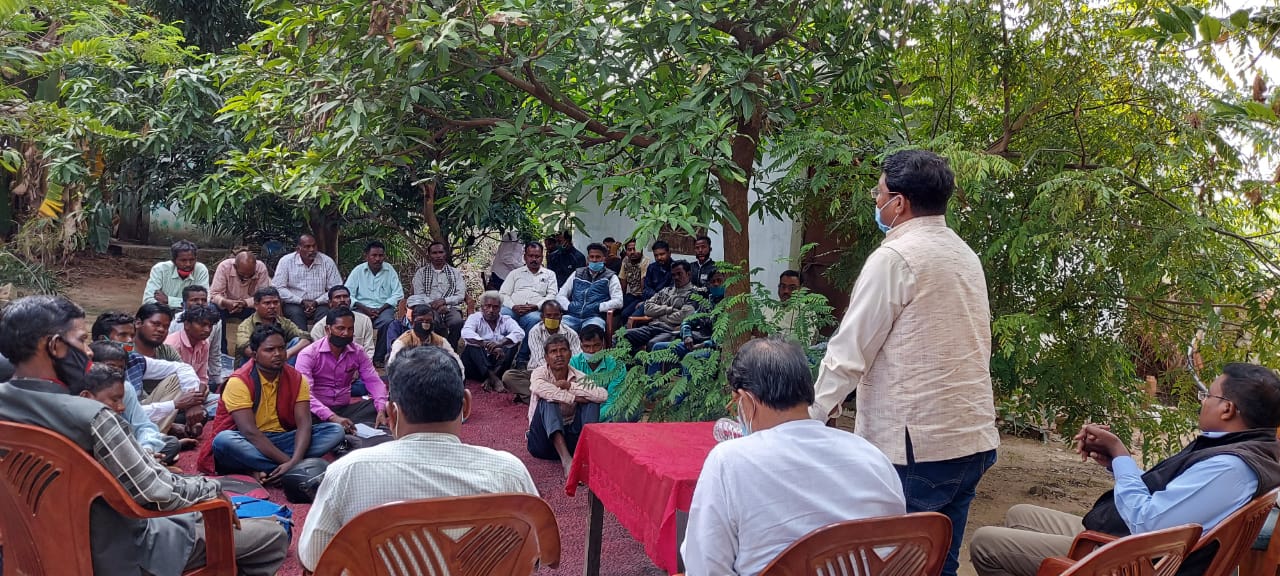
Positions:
{"x": 1027, "y": 471}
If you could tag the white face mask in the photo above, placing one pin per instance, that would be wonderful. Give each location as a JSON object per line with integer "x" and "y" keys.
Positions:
{"x": 742, "y": 420}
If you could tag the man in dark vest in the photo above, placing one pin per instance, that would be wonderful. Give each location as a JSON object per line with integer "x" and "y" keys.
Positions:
{"x": 1233, "y": 461}
{"x": 263, "y": 424}
{"x": 45, "y": 338}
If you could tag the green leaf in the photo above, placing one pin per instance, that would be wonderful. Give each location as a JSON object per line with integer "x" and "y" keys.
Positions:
{"x": 1210, "y": 29}
{"x": 1240, "y": 19}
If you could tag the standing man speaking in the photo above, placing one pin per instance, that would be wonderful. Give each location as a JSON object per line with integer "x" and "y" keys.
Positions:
{"x": 916, "y": 345}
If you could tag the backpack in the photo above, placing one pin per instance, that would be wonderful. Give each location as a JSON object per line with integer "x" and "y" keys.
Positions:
{"x": 250, "y": 500}
{"x": 250, "y": 507}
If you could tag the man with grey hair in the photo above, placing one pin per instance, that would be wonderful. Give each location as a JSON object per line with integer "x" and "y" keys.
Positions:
{"x": 168, "y": 278}
{"x": 490, "y": 339}
{"x": 781, "y": 455}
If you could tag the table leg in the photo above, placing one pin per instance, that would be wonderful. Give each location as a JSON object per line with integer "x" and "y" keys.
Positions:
{"x": 682, "y": 524}
{"x": 595, "y": 527}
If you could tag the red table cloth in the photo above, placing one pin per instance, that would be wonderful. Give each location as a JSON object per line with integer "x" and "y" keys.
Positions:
{"x": 643, "y": 473}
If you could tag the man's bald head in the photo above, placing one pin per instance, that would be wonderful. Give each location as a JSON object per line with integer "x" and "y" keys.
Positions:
{"x": 246, "y": 264}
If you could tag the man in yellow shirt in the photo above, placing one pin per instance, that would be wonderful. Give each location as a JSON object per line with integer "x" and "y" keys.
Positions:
{"x": 263, "y": 424}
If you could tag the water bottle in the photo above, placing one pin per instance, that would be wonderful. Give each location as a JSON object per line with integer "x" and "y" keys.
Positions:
{"x": 726, "y": 429}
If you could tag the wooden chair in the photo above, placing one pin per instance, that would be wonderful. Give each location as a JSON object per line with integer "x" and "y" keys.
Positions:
{"x": 468, "y": 536}
{"x": 1231, "y": 538}
{"x": 1158, "y": 553}
{"x": 1264, "y": 562}
{"x": 46, "y": 486}
{"x": 912, "y": 544}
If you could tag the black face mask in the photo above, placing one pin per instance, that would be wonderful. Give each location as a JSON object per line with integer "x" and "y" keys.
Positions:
{"x": 421, "y": 331}
{"x": 339, "y": 342}
{"x": 73, "y": 368}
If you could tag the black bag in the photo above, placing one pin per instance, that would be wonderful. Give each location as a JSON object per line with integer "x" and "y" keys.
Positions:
{"x": 303, "y": 481}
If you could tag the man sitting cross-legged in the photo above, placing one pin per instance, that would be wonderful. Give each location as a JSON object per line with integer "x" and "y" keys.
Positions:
{"x": 178, "y": 389}
{"x": 162, "y": 447}
{"x": 758, "y": 494}
{"x": 666, "y": 309}
{"x": 426, "y": 460}
{"x": 263, "y": 424}
{"x": 266, "y": 304}
{"x": 563, "y": 401}
{"x": 45, "y": 336}
{"x": 517, "y": 381}
{"x": 331, "y": 365}
{"x": 1233, "y": 461}
{"x": 421, "y": 333}
{"x": 491, "y": 341}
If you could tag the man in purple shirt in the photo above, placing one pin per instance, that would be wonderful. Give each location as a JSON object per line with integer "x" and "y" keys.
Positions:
{"x": 331, "y": 365}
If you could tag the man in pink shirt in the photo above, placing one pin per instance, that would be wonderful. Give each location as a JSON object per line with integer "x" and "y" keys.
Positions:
{"x": 563, "y": 401}
{"x": 192, "y": 341}
{"x": 331, "y": 365}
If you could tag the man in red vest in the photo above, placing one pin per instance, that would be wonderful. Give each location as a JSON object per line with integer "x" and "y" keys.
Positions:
{"x": 263, "y": 424}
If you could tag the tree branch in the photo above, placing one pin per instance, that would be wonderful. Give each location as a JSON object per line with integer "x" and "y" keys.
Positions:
{"x": 534, "y": 88}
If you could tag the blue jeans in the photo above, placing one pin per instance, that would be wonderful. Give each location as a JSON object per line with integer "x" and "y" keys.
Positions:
{"x": 948, "y": 487}
{"x": 575, "y": 323}
{"x": 232, "y": 452}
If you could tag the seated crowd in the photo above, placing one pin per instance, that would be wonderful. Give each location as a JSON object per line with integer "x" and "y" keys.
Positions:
{"x": 315, "y": 362}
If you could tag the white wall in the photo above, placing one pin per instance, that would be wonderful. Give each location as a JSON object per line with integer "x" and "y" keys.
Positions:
{"x": 775, "y": 243}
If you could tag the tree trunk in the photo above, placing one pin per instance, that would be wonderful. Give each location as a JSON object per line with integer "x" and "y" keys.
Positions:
{"x": 72, "y": 201}
{"x": 325, "y": 229}
{"x": 737, "y": 243}
{"x": 433, "y": 219}
{"x": 135, "y": 217}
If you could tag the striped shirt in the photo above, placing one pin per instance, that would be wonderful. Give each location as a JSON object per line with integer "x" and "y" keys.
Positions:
{"x": 146, "y": 481}
{"x": 297, "y": 281}
{"x": 359, "y": 481}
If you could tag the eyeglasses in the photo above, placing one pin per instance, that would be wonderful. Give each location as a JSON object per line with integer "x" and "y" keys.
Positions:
{"x": 1203, "y": 395}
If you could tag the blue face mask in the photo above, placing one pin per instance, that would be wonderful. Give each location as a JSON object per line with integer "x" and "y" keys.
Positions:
{"x": 746, "y": 428}
{"x": 595, "y": 266}
{"x": 716, "y": 291}
{"x": 885, "y": 227}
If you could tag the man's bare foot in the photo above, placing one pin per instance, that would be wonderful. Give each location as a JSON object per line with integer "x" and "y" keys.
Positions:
{"x": 567, "y": 465}
{"x": 260, "y": 477}
{"x": 187, "y": 444}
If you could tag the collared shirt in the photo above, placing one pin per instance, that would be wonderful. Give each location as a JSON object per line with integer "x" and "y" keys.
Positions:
{"x": 213, "y": 364}
{"x": 701, "y": 271}
{"x": 359, "y": 481}
{"x": 523, "y": 287}
{"x": 236, "y": 396}
{"x": 670, "y": 306}
{"x": 196, "y": 355}
{"x": 331, "y": 377}
{"x": 923, "y": 284}
{"x": 227, "y": 285}
{"x": 509, "y": 256}
{"x": 538, "y": 336}
{"x": 365, "y": 336}
{"x": 164, "y": 277}
{"x": 297, "y": 281}
{"x": 565, "y": 296}
{"x": 445, "y": 284}
{"x": 410, "y": 340}
{"x": 632, "y": 276}
{"x": 139, "y": 368}
{"x": 375, "y": 290}
{"x": 476, "y": 328}
{"x": 657, "y": 277}
{"x": 608, "y": 374}
{"x": 1204, "y": 494}
{"x": 144, "y": 430}
{"x": 245, "y": 332}
{"x": 542, "y": 388}
{"x": 754, "y": 497}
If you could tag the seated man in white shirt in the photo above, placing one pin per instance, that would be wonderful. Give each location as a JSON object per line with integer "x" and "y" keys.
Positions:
{"x": 427, "y": 406}
{"x": 491, "y": 341}
{"x": 757, "y": 494}
{"x": 563, "y": 400}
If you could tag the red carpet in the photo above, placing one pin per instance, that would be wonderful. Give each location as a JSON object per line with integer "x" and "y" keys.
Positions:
{"x": 498, "y": 423}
